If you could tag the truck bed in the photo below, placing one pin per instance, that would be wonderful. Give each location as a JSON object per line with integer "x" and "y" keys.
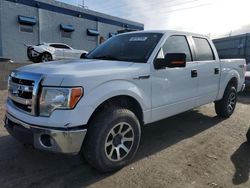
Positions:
{"x": 227, "y": 65}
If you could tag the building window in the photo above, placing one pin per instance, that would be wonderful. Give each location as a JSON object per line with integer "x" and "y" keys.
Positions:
{"x": 26, "y": 28}
{"x": 26, "y": 23}
{"x": 66, "y": 34}
{"x": 66, "y": 30}
{"x": 92, "y": 32}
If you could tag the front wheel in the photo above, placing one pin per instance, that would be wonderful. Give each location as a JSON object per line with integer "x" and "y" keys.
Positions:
{"x": 45, "y": 57}
{"x": 225, "y": 107}
{"x": 112, "y": 139}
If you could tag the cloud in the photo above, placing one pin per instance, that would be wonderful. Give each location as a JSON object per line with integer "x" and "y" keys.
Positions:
{"x": 213, "y": 17}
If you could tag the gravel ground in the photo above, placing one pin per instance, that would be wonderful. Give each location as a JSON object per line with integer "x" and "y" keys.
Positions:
{"x": 193, "y": 149}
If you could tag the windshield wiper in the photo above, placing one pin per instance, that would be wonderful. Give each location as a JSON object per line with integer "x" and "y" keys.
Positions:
{"x": 106, "y": 57}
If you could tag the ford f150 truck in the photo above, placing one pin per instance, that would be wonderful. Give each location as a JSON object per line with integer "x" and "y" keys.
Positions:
{"x": 97, "y": 106}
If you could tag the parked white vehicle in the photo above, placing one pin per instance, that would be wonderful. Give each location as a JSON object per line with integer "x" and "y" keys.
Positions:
{"x": 53, "y": 51}
{"x": 96, "y": 106}
{"x": 247, "y": 77}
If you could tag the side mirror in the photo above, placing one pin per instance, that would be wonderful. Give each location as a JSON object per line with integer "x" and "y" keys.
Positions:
{"x": 175, "y": 60}
{"x": 171, "y": 60}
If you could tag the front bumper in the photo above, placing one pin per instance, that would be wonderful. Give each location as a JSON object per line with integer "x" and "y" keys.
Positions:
{"x": 50, "y": 139}
{"x": 33, "y": 55}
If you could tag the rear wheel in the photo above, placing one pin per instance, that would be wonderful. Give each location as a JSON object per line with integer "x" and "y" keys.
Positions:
{"x": 83, "y": 56}
{"x": 225, "y": 107}
{"x": 112, "y": 139}
{"x": 248, "y": 135}
{"x": 45, "y": 57}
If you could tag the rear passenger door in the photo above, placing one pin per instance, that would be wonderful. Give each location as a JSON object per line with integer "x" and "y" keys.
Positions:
{"x": 208, "y": 69}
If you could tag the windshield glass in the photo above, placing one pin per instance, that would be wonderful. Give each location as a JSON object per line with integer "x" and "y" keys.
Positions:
{"x": 136, "y": 47}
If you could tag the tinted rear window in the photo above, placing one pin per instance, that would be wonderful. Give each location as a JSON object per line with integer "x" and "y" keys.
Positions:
{"x": 204, "y": 50}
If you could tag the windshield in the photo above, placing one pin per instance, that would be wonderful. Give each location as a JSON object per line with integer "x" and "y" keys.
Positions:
{"x": 136, "y": 47}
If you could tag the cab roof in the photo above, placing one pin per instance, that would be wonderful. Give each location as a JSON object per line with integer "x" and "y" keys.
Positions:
{"x": 171, "y": 32}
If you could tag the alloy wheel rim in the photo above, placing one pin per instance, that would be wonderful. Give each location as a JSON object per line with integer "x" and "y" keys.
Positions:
{"x": 231, "y": 102}
{"x": 119, "y": 141}
{"x": 45, "y": 58}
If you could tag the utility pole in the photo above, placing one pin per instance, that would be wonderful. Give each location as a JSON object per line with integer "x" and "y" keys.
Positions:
{"x": 83, "y": 4}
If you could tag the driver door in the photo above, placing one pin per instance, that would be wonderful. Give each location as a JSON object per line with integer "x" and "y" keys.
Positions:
{"x": 58, "y": 51}
{"x": 174, "y": 90}
{"x": 68, "y": 52}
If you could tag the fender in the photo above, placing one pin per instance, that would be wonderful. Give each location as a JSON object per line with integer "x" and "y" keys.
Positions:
{"x": 226, "y": 76}
{"x": 115, "y": 88}
{"x": 42, "y": 49}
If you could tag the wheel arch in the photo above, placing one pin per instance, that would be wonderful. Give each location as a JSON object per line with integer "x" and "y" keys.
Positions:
{"x": 124, "y": 101}
{"x": 83, "y": 55}
{"x": 231, "y": 77}
{"x": 233, "y": 81}
{"x": 47, "y": 52}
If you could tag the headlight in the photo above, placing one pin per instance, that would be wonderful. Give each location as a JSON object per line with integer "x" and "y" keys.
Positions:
{"x": 58, "y": 98}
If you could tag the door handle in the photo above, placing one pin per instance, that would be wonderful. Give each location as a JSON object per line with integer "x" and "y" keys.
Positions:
{"x": 142, "y": 77}
{"x": 216, "y": 70}
{"x": 194, "y": 73}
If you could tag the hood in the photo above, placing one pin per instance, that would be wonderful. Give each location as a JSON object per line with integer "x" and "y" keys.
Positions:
{"x": 54, "y": 72}
{"x": 72, "y": 67}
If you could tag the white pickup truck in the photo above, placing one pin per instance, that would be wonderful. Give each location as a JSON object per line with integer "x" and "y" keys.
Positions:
{"x": 97, "y": 106}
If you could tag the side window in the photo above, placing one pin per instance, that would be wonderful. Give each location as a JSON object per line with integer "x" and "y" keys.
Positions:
{"x": 204, "y": 50}
{"x": 64, "y": 46}
{"x": 177, "y": 44}
{"x": 54, "y": 45}
{"x": 60, "y": 46}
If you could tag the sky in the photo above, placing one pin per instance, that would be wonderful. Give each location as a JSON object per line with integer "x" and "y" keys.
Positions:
{"x": 215, "y": 18}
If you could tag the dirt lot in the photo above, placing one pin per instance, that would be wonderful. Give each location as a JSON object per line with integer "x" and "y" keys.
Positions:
{"x": 193, "y": 149}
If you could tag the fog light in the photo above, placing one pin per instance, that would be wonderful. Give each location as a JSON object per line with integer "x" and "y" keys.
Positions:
{"x": 46, "y": 140}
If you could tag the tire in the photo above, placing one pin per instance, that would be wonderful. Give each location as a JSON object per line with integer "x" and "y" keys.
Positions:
{"x": 83, "y": 56}
{"x": 226, "y": 106}
{"x": 36, "y": 60}
{"x": 104, "y": 139}
{"x": 248, "y": 136}
{"x": 45, "y": 57}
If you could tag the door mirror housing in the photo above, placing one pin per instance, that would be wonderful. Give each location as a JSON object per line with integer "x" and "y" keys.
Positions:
{"x": 171, "y": 60}
{"x": 175, "y": 60}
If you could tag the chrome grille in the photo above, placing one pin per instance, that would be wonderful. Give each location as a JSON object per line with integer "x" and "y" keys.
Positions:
{"x": 23, "y": 91}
